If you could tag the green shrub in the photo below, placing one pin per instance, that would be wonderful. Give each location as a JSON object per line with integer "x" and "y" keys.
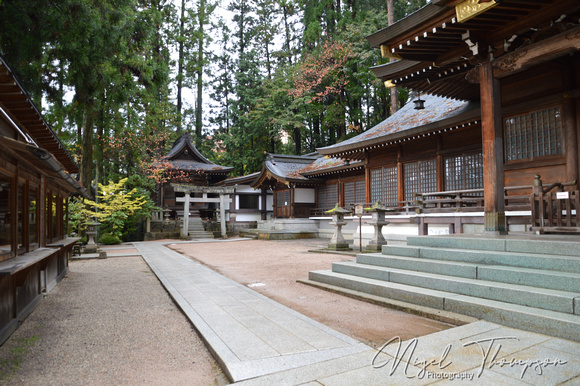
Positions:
{"x": 109, "y": 239}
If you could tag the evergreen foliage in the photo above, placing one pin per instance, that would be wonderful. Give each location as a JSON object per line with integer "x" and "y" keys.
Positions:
{"x": 271, "y": 76}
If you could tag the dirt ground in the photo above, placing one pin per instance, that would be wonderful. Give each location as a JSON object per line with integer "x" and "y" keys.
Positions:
{"x": 272, "y": 268}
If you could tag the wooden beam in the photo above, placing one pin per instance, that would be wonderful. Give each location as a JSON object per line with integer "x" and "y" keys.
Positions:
{"x": 534, "y": 54}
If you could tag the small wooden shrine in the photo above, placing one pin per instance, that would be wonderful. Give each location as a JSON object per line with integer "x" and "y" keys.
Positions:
{"x": 185, "y": 165}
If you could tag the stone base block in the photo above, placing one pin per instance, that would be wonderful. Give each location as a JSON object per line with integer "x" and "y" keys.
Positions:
{"x": 371, "y": 247}
{"x": 339, "y": 247}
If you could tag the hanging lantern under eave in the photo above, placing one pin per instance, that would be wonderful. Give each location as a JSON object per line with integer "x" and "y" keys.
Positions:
{"x": 419, "y": 103}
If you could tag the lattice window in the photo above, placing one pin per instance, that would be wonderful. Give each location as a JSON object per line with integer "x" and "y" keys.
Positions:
{"x": 332, "y": 196}
{"x": 384, "y": 182}
{"x": 360, "y": 191}
{"x": 349, "y": 193}
{"x": 391, "y": 183}
{"x": 327, "y": 196}
{"x": 420, "y": 177}
{"x": 537, "y": 134}
{"x": 282, "y": 198}
{"x": 377, "y": 193}
{"x": 464, "y": 171}
{"x": 354, "y": 192}
{"x": 322, "y": 198}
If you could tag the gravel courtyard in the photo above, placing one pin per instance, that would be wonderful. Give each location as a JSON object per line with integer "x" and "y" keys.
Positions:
{"x": 108, "y": 322}
{"x": 111, "y": 322}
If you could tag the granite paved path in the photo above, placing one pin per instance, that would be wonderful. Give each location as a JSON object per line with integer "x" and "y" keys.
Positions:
{"x": 258, "y": 341}
{"x": 249, "y": 334}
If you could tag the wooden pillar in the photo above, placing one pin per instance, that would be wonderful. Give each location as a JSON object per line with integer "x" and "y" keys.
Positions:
{"x": 568, "y": 115}
{"x": 26, "y": 217}
{"x": 14, "y": 214}
{"x": 400, "y": 176}
{"x": 440, "y": 166}
{"x": 577, "y": 121}
{"x": 339, "y": 193}
{"x": 264, "y": 204}
{"x": 67, "y": 216}
{"x": 367, "y": 179}
{"x": 492, "y": 143}
{"x": 41, "y": 212}
{"x": 274, "y": 202}
{"x": 292, "y": 198}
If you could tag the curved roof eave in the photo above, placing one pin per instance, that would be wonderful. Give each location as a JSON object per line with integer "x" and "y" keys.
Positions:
{"x": 418, "y": 17}
{"x": 432, "y": 126}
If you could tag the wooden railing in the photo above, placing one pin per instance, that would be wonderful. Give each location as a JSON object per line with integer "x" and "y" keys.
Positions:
{"x": 470, "y": 200}
{"x": 555, "y": 211}
{"x": 450, "y": 201}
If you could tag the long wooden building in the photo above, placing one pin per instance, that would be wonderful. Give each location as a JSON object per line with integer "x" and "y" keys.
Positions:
{"x": 35, "y": 183}
{"x": 496, "y": 85}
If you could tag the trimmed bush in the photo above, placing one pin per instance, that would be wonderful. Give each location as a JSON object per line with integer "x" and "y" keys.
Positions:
{"x": 109, "y": 239}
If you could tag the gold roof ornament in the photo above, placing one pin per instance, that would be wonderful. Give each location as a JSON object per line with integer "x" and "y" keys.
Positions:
{"x": 386, "y": 53}
{"x": 390, "y": 84}
{"x": 470, "y": 8}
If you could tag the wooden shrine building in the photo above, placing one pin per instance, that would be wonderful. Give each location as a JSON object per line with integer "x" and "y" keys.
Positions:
{"x": 35, "y": 184}
{"x": 294, "y": 194}
{"x": 496, "y": 103}
{"x": 184, "y": 164}
{"x": 519, "y": 59}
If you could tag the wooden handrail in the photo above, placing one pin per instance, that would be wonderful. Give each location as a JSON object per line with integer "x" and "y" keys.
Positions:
{"x": 559, "y": 185}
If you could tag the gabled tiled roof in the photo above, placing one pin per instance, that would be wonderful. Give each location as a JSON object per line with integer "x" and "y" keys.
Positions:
{"x": 185, "y": 156}
{"x": 438, "y": 112}
{"x": 325, "y": 165}
{"x": 288, "y": 167}
{"x": 283, "y": 168}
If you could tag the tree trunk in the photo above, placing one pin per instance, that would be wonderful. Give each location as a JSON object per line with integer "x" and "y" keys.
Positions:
{"x": 286, "y": 33}
{"x": 87, "y": 149}
{"x": 199, "y": 104}
{"x": 391, "y": 21}
{"x": 180, "y": 67}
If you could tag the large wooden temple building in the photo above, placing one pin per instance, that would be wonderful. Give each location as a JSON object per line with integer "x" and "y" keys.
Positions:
{"x": 496, "y": 88}
{"x": 35, "y": 183}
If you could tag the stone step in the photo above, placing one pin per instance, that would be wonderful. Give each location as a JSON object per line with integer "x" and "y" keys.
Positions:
{"x": 522, "y": 244}
{"x": 541, "y": 278}
{"x": 551, "y": 262}
{"x": 201, "y": 235}
{"x": 549, "y": 299}
{"x": 513, "y": 315}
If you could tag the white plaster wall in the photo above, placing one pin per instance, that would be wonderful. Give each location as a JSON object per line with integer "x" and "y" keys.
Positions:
{"x": 245, "y": 189}
{"x": 248, "y": 216}
{"x": 304, "y": 196}
{"x": 270, "y": 202}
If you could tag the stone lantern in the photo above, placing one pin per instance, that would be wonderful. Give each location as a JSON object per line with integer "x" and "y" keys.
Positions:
{"x": 378, "y": 221}
{"x": 338, "y": 243}
{"x": 166, "y": 214}
{"x": 92, "y": 229}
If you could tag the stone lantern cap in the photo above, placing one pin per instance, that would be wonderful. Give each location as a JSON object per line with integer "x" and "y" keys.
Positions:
{"x": 377, "y": 207}
{"x": 337, "y": 210}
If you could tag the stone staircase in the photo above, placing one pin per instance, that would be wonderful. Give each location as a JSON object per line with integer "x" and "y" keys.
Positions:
{"x": 196, "y": 229}
{"x": 531, "y": 283}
